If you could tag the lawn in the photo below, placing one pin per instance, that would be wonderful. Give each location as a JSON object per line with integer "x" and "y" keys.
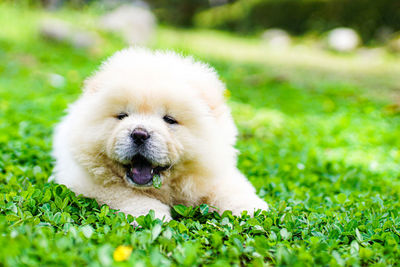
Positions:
{"x": 319, "y": 139}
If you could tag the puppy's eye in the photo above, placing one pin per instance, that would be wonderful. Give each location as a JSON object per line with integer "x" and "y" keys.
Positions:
{"x": 168, "y": 119}
{"x": 121, "y": 115}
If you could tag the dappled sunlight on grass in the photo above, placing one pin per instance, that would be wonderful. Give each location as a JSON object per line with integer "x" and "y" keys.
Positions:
{"x": 355, "y": 142}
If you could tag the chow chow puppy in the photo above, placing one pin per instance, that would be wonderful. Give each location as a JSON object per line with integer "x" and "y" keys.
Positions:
{"x": 152, "y": 115}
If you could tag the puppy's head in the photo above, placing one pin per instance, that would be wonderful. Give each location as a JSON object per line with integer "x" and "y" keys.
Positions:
{"x": 150, "y": 113}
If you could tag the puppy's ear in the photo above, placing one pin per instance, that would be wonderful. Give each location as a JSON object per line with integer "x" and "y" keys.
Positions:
{"x": 211, "y": 89}
{"x": 213, "y": 95}
{"x": 213, "y": 92}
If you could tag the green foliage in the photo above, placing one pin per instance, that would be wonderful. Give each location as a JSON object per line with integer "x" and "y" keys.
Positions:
{"x": 367, "y": 17}
{"x": 177, "y": 12}
{"x": 325, "y": 158}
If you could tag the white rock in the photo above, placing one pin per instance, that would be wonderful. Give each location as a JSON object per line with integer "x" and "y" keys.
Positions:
{"x": 277, "y": 38}
{"x": 343, "y": 39}
{"x": 61, "y": 31}
{"x": 135, "y": 23}
{"x": 55, "y": 30}
{"x": 56, "y": 80}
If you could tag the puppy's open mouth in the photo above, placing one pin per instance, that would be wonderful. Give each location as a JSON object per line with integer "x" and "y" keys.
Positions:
{"x": 140, "y": 171}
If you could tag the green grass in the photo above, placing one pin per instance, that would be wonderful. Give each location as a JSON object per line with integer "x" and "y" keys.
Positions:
{"x": 317, "y": 144}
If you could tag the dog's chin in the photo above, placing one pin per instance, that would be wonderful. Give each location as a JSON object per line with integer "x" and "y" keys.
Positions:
{"x": 140, "y": 172}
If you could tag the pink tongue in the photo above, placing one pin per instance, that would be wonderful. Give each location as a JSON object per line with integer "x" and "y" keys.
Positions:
{"x": 141, "y": 173}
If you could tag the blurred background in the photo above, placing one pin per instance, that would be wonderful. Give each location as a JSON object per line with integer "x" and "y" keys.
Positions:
{"x": 312, "y": 58}
{"x": 334, "y": 39}
{"x": 367, "y": 22}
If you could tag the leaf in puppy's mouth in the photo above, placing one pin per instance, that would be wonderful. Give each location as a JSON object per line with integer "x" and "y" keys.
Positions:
{"x": 141, "y": 172}
{"x": 157, "y": 182}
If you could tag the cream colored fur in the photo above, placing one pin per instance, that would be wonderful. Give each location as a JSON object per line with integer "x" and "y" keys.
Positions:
{"x": 91, "y": 146}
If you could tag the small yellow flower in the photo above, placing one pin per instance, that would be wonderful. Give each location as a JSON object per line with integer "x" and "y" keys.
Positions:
{"x": 122, "y": 253}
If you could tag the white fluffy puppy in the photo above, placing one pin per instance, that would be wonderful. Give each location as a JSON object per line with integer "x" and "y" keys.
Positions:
{"x": 150, "y": 114}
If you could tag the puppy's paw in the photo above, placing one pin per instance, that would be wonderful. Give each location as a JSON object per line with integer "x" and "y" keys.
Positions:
{"x": 165, "y": 217}
{"x": 163, "y": 213}
{"x": 250, "y": 207}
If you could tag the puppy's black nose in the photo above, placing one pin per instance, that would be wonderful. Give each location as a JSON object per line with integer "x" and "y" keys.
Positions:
{"x": 139, "y": 135}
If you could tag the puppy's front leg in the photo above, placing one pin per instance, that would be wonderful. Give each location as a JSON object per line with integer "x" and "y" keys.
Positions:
{"x": 236, "y": 193}
{"x": 141, "y": 205}
{"x": 129, "y": 201}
